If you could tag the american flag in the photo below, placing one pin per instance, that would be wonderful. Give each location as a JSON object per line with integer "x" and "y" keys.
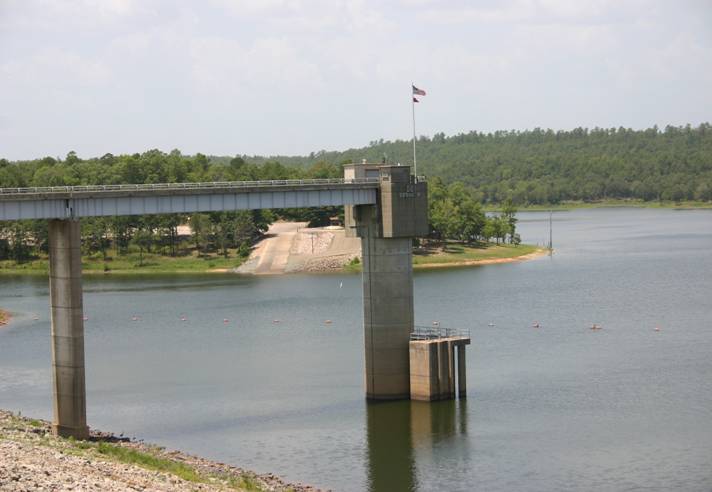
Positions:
{"x": 418, "y": 92}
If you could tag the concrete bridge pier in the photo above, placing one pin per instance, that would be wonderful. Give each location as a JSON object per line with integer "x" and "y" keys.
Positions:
{"x": 65, "y": 289}
{"x": 387, "y": 230}
{"x": 387, "y": 309}
{"x": 461, "y": 371}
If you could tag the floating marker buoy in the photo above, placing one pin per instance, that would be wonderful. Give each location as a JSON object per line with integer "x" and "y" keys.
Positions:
{"x": 35, "y": 317}
{"x": 276, "y": 321}
{"x": 536, "y": 324}
{"x": 226, "y": 320}
{"x": 134, "y": 318}
{"x": 490, "y": 324}
{"x": 657, "y": 328}
{"x": 328, "y": 321}
{"x": 183, "y": 318}
{"x": 436, "y": 323}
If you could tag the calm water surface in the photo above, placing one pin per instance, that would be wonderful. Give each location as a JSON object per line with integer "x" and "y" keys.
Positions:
{"x": 555, "y": 408}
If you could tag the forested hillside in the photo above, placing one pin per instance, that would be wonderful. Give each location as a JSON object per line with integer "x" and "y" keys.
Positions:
{"x": 529, "y": 167}
{"x": 543, "y": 166}
{"x": 509, "y": 168}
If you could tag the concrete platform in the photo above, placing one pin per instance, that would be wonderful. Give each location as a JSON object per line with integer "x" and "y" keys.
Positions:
{"x": 434, "y": 369}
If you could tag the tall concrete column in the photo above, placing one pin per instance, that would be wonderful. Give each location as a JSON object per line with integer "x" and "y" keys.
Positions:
{"x": 387, "y": 308}
{"x": 461, "y": 371}
{"x": 444, "y": 372}
{"x": 65, "y": 288}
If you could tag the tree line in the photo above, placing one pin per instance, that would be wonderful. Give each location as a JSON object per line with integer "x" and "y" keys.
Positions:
{"x": 548, "y": 167}
{"x": 221, "y": 233}
{"x": 507, "y": 168}
{"x": 455, "y": 213}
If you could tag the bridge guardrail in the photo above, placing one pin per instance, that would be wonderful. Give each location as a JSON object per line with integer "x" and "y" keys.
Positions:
{"x": 183, "y": 186}
{"x": 437, "y": 332}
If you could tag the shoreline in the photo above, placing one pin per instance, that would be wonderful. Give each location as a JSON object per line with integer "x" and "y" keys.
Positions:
{"x": 575, "y": 205}
{"x": 232, "y": 271}
{"x": 34, "y": 458}
{"x": 485, "y": 261}
{"x": 5, "y": 317}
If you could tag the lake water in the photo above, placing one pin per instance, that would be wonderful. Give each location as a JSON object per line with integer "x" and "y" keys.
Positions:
{"x": 555, "y": 408}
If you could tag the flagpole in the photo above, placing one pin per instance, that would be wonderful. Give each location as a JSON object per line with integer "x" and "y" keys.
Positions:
{"x": 412, "y": 102}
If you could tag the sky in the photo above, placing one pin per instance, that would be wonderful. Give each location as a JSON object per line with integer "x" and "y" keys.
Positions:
{"x": 290, "y": 77}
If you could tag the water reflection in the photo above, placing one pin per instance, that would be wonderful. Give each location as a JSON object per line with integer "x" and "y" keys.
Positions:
{"x": 391, "y": 463}
{"x": 398, "y": 431}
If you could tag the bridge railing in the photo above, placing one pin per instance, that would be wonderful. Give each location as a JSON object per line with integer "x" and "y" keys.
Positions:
{"x": 436, "y": 332}
{"x": 183, "y": 186}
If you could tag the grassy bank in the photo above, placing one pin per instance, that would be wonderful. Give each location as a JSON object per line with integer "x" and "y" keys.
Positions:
{"x": 434, "y": 255}
{"x": 134, "y": 264}
{"x": 571, "y": 205}
{"x": 34, "y": 454}
{"x": 457, "y": 254}
{"x": 453, "y": 254}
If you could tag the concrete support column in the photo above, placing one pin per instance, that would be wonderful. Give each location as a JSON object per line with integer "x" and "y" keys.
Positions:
{"x": 444, "y": 369}
{"x": 65, "y": 289}
{"x": 424, "y": 383}
{"x": 461, "y": 372}
{"x": 451, "y": 367}
{"x": 387, "y": 308}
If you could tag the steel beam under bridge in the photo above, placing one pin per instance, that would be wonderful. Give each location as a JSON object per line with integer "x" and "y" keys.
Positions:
{"x": 66, "y": 202}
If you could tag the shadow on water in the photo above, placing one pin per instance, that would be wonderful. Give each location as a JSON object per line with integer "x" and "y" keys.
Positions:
{"x": 397, "y": 431}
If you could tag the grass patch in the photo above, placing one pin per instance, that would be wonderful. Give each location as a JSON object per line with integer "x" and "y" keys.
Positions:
{"x": 133, "y": 264}
{"x": 131, "y": 456}
{"x": 353, "y": 266}
{"x": 146, "y": 460}
{"x": 459, "y": 253}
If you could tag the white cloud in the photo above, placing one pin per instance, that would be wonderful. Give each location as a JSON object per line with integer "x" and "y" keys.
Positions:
{"x": 223, "y": 76}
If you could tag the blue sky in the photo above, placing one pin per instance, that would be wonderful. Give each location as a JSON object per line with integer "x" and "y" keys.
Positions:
{"x": 294, "y": 76}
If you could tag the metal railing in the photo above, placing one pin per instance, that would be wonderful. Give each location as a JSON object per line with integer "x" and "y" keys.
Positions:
{"x": 436, "y": 332}
{"x": 185, "y": 186}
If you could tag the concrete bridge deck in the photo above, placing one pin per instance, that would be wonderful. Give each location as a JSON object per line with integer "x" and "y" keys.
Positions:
{"x": 68, "y": 202}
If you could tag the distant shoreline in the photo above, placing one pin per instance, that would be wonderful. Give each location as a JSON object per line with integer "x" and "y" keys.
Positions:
{"x": 431, "y": 262}
{"x": 574, "y": 205}
{"x": 485, "y": 261}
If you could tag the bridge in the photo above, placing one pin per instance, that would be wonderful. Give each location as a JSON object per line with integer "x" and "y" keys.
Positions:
{"x": 384, "y": 205}
{"x": 73, "y": 202}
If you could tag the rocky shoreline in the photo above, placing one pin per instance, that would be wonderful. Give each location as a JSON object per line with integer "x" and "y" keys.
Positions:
{"x": 31, "y": 458}
{"x": 4, "y": 317}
